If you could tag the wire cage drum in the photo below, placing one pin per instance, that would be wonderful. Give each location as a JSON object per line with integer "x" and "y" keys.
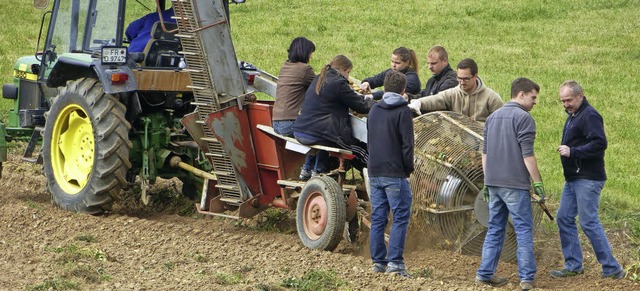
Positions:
{"x": 447, "y": 180}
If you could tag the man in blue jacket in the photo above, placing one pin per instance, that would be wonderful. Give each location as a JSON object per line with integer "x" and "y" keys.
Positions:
{"x": 390, "y": 143}
{"x": 139, "y": 31}
{"x": 582, "y": 155}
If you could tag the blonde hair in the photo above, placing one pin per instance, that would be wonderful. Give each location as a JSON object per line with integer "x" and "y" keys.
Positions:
{"x": 440, "y": 52}
{"x": 339, "y": 63}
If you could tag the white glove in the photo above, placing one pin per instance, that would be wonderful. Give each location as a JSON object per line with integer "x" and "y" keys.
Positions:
{"x": 368, "y": 96}
{"x": 415, "y": 106}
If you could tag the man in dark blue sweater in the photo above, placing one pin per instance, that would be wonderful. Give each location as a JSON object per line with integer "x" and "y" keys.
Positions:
{"x": 582, "y": 155}
{"x": 390, "y": 143}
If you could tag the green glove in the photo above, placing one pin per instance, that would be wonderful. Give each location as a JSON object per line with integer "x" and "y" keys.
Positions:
{"x": 485, "y": 193}
{"x": 538, "y": 188}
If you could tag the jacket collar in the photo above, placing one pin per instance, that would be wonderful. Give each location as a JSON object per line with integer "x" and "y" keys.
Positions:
{"x": 443, "y": 72}
{"x": 514, "y": 104}
{"x": 583, "y": 105}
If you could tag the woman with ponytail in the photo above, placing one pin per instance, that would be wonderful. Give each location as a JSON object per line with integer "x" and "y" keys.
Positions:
{"x": 324, "y": 117}
{"x": 402, "y": 60}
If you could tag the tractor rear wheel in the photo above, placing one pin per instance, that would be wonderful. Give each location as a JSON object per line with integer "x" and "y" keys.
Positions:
{"x": 86, "y": 147}
{"x": 321, "y": 213}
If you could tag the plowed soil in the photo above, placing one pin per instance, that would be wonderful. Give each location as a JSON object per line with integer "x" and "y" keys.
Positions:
{"x": 167, "y": 246}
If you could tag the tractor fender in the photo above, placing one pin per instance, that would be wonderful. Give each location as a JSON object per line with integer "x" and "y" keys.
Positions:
{"x": 69, "y": 68}
{"x": 104, "y": 73}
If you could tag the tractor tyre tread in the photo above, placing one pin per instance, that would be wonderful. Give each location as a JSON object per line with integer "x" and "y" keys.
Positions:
{"x": 112, "y": 147}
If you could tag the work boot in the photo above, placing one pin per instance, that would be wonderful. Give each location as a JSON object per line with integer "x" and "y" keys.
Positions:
{"x": 564, "y": 273}
{"x": 617, "y": 275}
{"x": 493, "y": 282}
{"x": 526, "y": 285}
{"x": 397, "y": 269}
{"x": 378, "y": 268}
{"x": 304, "y": 175}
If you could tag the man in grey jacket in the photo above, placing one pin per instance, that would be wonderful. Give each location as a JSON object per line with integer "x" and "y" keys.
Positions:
{"x": 509, "y": 165}
{"x": 471, "y": 97}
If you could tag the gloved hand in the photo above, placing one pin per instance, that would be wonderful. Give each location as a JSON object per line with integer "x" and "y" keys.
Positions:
{"x": 485, "y": 194}
{"x": 368, "y": 97}
{"x": 415, "y": 106}
{"x": 538, "y": 188}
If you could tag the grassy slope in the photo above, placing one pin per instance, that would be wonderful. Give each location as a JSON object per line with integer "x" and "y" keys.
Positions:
{"x": 595, "y": 42}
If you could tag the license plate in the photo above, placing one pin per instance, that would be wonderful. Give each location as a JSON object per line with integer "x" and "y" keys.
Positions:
{"x": 114, "y": 55}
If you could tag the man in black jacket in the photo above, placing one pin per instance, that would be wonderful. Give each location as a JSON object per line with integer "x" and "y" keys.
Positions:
{"x": 390, "y": 143}
{"x": 582, "y": 155}
{"x": 444, "y": 77}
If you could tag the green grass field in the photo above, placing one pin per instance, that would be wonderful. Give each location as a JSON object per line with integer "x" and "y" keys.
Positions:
{"x": 595, "y": 42}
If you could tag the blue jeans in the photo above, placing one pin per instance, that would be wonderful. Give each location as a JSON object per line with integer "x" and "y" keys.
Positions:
{"x": 284, "y": 127}
{"x": 517, "y": 202}
{"x": 582, "y": 198}
{"x": 314, "y": 162}
{"x": 389, "y": 194}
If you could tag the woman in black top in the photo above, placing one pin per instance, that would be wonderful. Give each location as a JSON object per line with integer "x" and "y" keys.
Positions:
{"x": 402, "y": 60}
{"x": 324, "y": 117}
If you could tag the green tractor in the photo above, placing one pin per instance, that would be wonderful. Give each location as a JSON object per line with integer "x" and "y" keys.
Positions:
{"x": 105, "y": 117}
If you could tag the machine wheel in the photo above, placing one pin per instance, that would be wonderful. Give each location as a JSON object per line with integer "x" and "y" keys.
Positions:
{"x": 86, "y": 147}
{"x": 321, "y": 213}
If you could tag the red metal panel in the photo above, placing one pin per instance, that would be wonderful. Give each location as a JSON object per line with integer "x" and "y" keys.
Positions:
{"x": 274, "y": 161}
{"x": 232, "y": 129}
{"x": 271, "y": 153}
{"x": 260, "y": 113}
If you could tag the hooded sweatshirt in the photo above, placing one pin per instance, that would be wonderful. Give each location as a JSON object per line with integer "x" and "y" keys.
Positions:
{"x": 390, "y": 138}
{"x": 477, "y": 105}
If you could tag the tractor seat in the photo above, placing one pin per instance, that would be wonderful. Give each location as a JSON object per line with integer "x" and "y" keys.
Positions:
{"x": 163, "y": 47}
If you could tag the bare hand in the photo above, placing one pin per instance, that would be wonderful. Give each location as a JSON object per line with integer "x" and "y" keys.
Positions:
{"x": 564, "y": 151}
{"x": 365, "y": 87}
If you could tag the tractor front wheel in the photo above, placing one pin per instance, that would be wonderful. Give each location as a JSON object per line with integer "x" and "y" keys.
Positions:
{"x": 86, "y": 147}
{"x": 321, "y": 213}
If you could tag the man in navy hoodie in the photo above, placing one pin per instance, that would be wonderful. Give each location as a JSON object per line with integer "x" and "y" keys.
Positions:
{"x": 390, "y": 143}
{"x": 582, "y": 155}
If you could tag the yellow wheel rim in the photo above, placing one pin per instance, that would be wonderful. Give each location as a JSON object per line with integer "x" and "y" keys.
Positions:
{"x": 72, "y": 149}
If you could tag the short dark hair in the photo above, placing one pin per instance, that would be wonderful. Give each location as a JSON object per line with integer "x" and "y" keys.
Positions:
{"x": 394, "y": 82}
{"x": 524, "y": 85}
{"x": 300, "y": 50}
{"x": 469, "y": 63}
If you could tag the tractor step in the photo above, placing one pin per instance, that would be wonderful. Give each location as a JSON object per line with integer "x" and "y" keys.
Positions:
{"x": 28, "y": 155}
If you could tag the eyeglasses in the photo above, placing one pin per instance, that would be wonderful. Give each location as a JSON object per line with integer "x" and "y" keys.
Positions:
{"x": 464, "y": 78}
